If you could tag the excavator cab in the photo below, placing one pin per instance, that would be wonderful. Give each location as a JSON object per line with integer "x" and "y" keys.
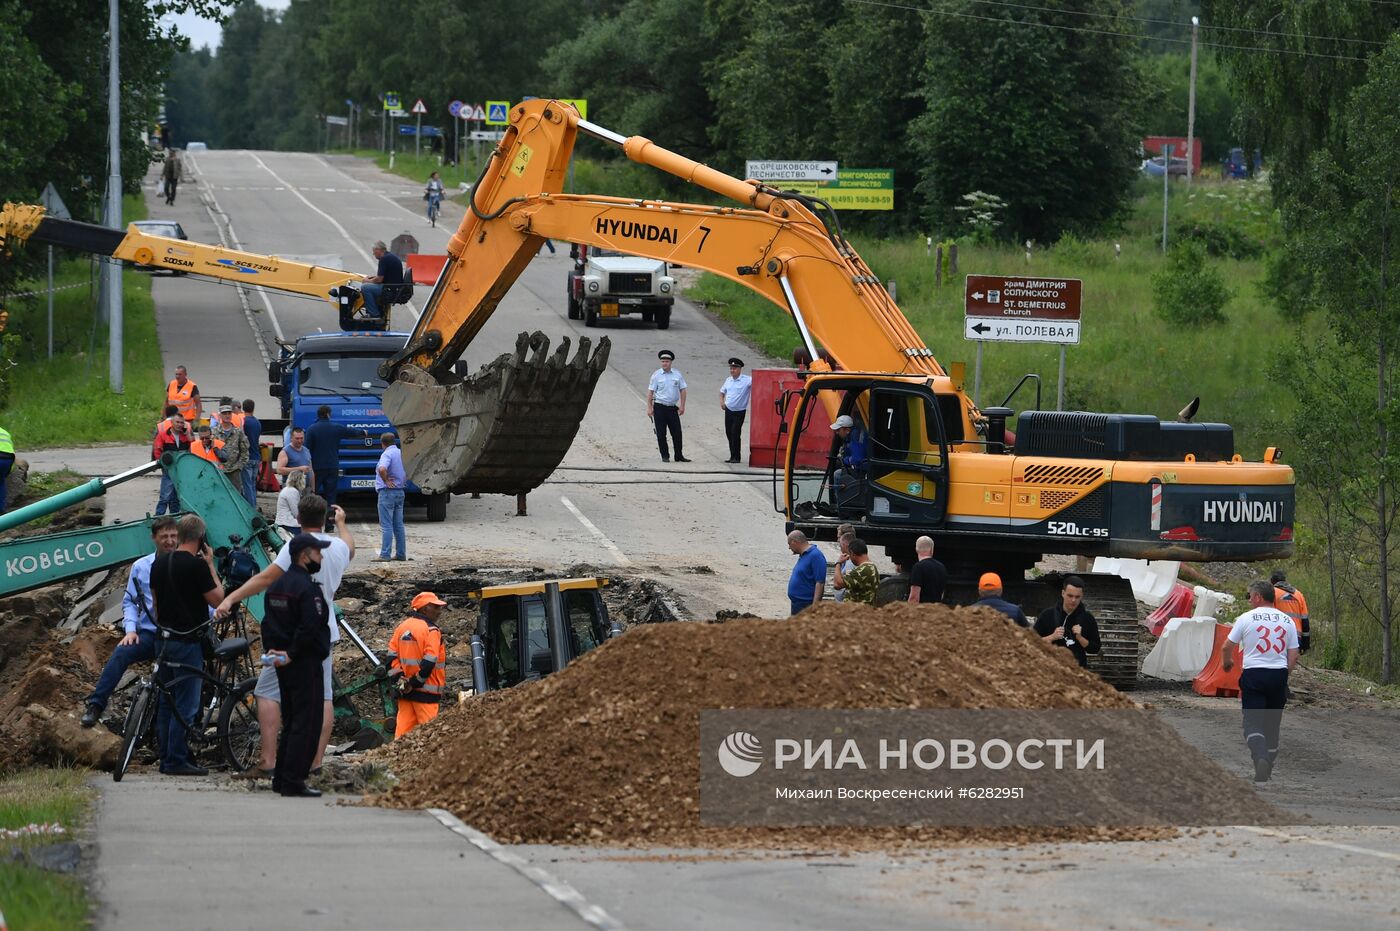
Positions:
{"x": 531, "y": 629}
{"x": 888, "y": 469}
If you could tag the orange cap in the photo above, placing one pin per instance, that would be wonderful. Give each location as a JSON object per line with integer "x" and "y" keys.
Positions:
{"x": 423, "y": 599}
{"x": 989, "y": 581}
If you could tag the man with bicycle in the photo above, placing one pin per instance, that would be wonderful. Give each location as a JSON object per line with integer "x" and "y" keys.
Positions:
{"x": 138, "y": 645}
{"x": 433, "y": 195}
{"x": 185, "y": 586}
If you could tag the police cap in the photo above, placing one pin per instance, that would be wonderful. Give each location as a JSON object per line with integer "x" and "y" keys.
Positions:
{"x": 735, "y": 360}
{"x": 666, "y": 354}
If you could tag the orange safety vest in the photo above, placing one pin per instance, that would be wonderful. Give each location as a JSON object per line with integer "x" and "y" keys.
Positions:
{"x": 237, "y": 419}
{"x": 204, "y": 452}
{"x": 1291, "y": 602}
{"x": 416, "y": 641}
{"x": 183, "y": 398}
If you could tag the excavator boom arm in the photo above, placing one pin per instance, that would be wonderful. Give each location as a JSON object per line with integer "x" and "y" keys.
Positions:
{"x": 776, "y": 245}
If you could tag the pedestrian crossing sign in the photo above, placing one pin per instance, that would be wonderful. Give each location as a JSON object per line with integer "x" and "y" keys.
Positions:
{"x": 496, "y": 112}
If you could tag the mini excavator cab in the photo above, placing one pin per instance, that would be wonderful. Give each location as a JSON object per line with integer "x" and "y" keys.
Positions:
{"x": 528, "y": 630}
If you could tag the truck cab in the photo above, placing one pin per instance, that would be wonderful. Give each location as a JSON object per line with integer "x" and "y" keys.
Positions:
{"x": 605, "y": 285}
{"x": 341, "y": 371}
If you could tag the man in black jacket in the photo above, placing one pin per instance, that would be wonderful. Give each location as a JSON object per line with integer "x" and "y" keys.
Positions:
{"x": 1069, "y": 624}
{"x": 295, "y": 634}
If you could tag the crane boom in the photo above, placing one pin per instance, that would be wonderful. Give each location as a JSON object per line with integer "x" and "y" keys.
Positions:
{"x": 21, "y": 223}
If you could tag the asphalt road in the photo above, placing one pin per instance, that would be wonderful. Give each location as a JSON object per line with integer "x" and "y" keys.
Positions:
{"x": 309, "y": 863}
{"x": 666, "y": 520}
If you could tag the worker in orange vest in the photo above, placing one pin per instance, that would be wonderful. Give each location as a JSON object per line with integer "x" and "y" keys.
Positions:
{"x": 416, "y": 650}
{"x": 184, "y": 394}
{"x": 169, "y": 412}
{"x": 1291, "y": 602}
{"x": 207, "y": 448}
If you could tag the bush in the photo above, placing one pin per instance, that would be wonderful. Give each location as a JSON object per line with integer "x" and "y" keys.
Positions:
{"x": 1074, "y": 251}
{"x": 1221, "y": 240}
{"x": 1189, "y": 290}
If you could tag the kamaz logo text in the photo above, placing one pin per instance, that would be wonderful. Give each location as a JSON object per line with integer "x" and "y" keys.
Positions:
{"x": 1243, "y": 511}
{"x": 629, "y": 230}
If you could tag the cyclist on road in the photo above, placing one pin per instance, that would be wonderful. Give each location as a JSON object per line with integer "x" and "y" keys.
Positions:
{"x": 433, "y": 195}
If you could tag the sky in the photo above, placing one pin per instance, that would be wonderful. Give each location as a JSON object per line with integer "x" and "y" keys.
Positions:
{"x": 206, "y": 32}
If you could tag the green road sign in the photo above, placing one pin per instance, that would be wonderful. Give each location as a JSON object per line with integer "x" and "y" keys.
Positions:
{"x": 853, "y": 189}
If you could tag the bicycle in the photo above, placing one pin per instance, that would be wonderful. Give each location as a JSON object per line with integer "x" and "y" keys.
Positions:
{"x": 434, "y": 206}
{"x": 219, "y": 720}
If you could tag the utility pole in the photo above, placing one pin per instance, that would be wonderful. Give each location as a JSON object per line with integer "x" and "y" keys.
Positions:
{"x": 1191, "y": 105}
{"x": 1166, "y": 179}
{"x": 113, "y": 268}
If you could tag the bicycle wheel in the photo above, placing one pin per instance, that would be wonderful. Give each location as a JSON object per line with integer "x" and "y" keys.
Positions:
{"x": 239, "y": 735}
{"x": 138, "y": 723}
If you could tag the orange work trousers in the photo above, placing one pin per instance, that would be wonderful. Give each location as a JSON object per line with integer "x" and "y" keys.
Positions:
{"x": 412, "y": 714}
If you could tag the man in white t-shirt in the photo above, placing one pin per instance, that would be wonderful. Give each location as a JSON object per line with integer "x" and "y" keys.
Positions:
{"x": 1268, "y": 643}
{"x": 335, "y": 560}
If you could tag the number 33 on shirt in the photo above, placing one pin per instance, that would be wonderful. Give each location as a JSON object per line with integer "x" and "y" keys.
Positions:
{"x": 1264, "y": 636}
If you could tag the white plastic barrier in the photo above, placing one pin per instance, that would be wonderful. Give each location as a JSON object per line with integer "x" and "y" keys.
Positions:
{"x": 1183, "y": 649}
{"x": 1152, "y": 581}
{"x": 1211, "y": 602}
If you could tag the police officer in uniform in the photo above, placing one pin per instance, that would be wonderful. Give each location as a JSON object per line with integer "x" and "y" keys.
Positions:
{"x": 666, "y": 404}
{"x": 294, "y": 630}
{"x": 734, "y": 401}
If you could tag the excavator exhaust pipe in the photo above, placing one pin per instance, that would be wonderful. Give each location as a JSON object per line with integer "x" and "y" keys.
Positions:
{"x": 503, "y": 430}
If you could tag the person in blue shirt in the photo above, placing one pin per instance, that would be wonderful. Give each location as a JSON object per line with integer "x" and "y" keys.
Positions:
{"x": 847, "y": 480}
{"x": 138, "y": 645}
{"x": 390, "y": 271}
{"x": 808, "y": 578}
{"x": 734, "y": 401}
{"x": 389, "y": 481}
{"x": 252, "y": 426}
{"x": 323, "y": 439}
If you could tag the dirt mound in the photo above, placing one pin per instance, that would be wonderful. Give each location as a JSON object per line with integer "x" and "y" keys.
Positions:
{"x": 42, "y": 684}
{"x": 606, "y": 750}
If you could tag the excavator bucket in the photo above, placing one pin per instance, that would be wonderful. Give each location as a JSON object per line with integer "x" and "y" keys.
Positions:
{"x": 503, "y": 430}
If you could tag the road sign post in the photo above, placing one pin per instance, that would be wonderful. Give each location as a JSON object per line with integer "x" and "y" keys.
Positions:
{"x": 56, "y": 208}
{"x": 418, "y": 110}
{"x": 1022, "y": 310}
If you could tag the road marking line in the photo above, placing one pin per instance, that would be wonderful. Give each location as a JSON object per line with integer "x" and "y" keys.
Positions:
{"x": 417, "y": 216}
{"x": 592, "y": 528}
{"x": 369, "y": 257}
{"x": 242, "y": 292}
{"x": 1349, "y": 848}
{"x": 556, "y": 888}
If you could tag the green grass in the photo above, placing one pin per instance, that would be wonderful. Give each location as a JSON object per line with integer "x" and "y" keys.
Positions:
{"x": 31, "y": 898}
{"x": 66, "y": 401}
{"x": 1129, "y": 359}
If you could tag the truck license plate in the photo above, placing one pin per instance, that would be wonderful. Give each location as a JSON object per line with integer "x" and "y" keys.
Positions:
{"x": 608, "y": 310}
{"x": 361, "y": 483}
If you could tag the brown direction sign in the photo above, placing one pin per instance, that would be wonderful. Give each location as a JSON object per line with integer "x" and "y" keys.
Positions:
{"x": 1023, "y": 298}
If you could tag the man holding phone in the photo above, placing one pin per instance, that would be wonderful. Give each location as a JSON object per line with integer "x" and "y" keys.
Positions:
{"x": 334, "y": 561}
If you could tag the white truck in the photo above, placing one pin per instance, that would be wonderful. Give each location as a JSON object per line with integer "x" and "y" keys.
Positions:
{"x": 606, "y": 285}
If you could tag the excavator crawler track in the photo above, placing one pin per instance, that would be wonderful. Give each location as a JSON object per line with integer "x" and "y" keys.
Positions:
{"x": 1108, "y": 597}
{"x": 503, "y": 430}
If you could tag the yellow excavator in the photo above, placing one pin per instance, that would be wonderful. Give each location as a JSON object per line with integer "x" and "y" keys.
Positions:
{"x": 929, "y": 462}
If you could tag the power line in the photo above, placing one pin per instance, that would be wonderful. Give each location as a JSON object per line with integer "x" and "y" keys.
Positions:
{"x": 926, "y": 11}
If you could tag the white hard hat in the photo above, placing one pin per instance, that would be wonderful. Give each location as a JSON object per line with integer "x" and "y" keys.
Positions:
{"x": 843, "y": 421}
